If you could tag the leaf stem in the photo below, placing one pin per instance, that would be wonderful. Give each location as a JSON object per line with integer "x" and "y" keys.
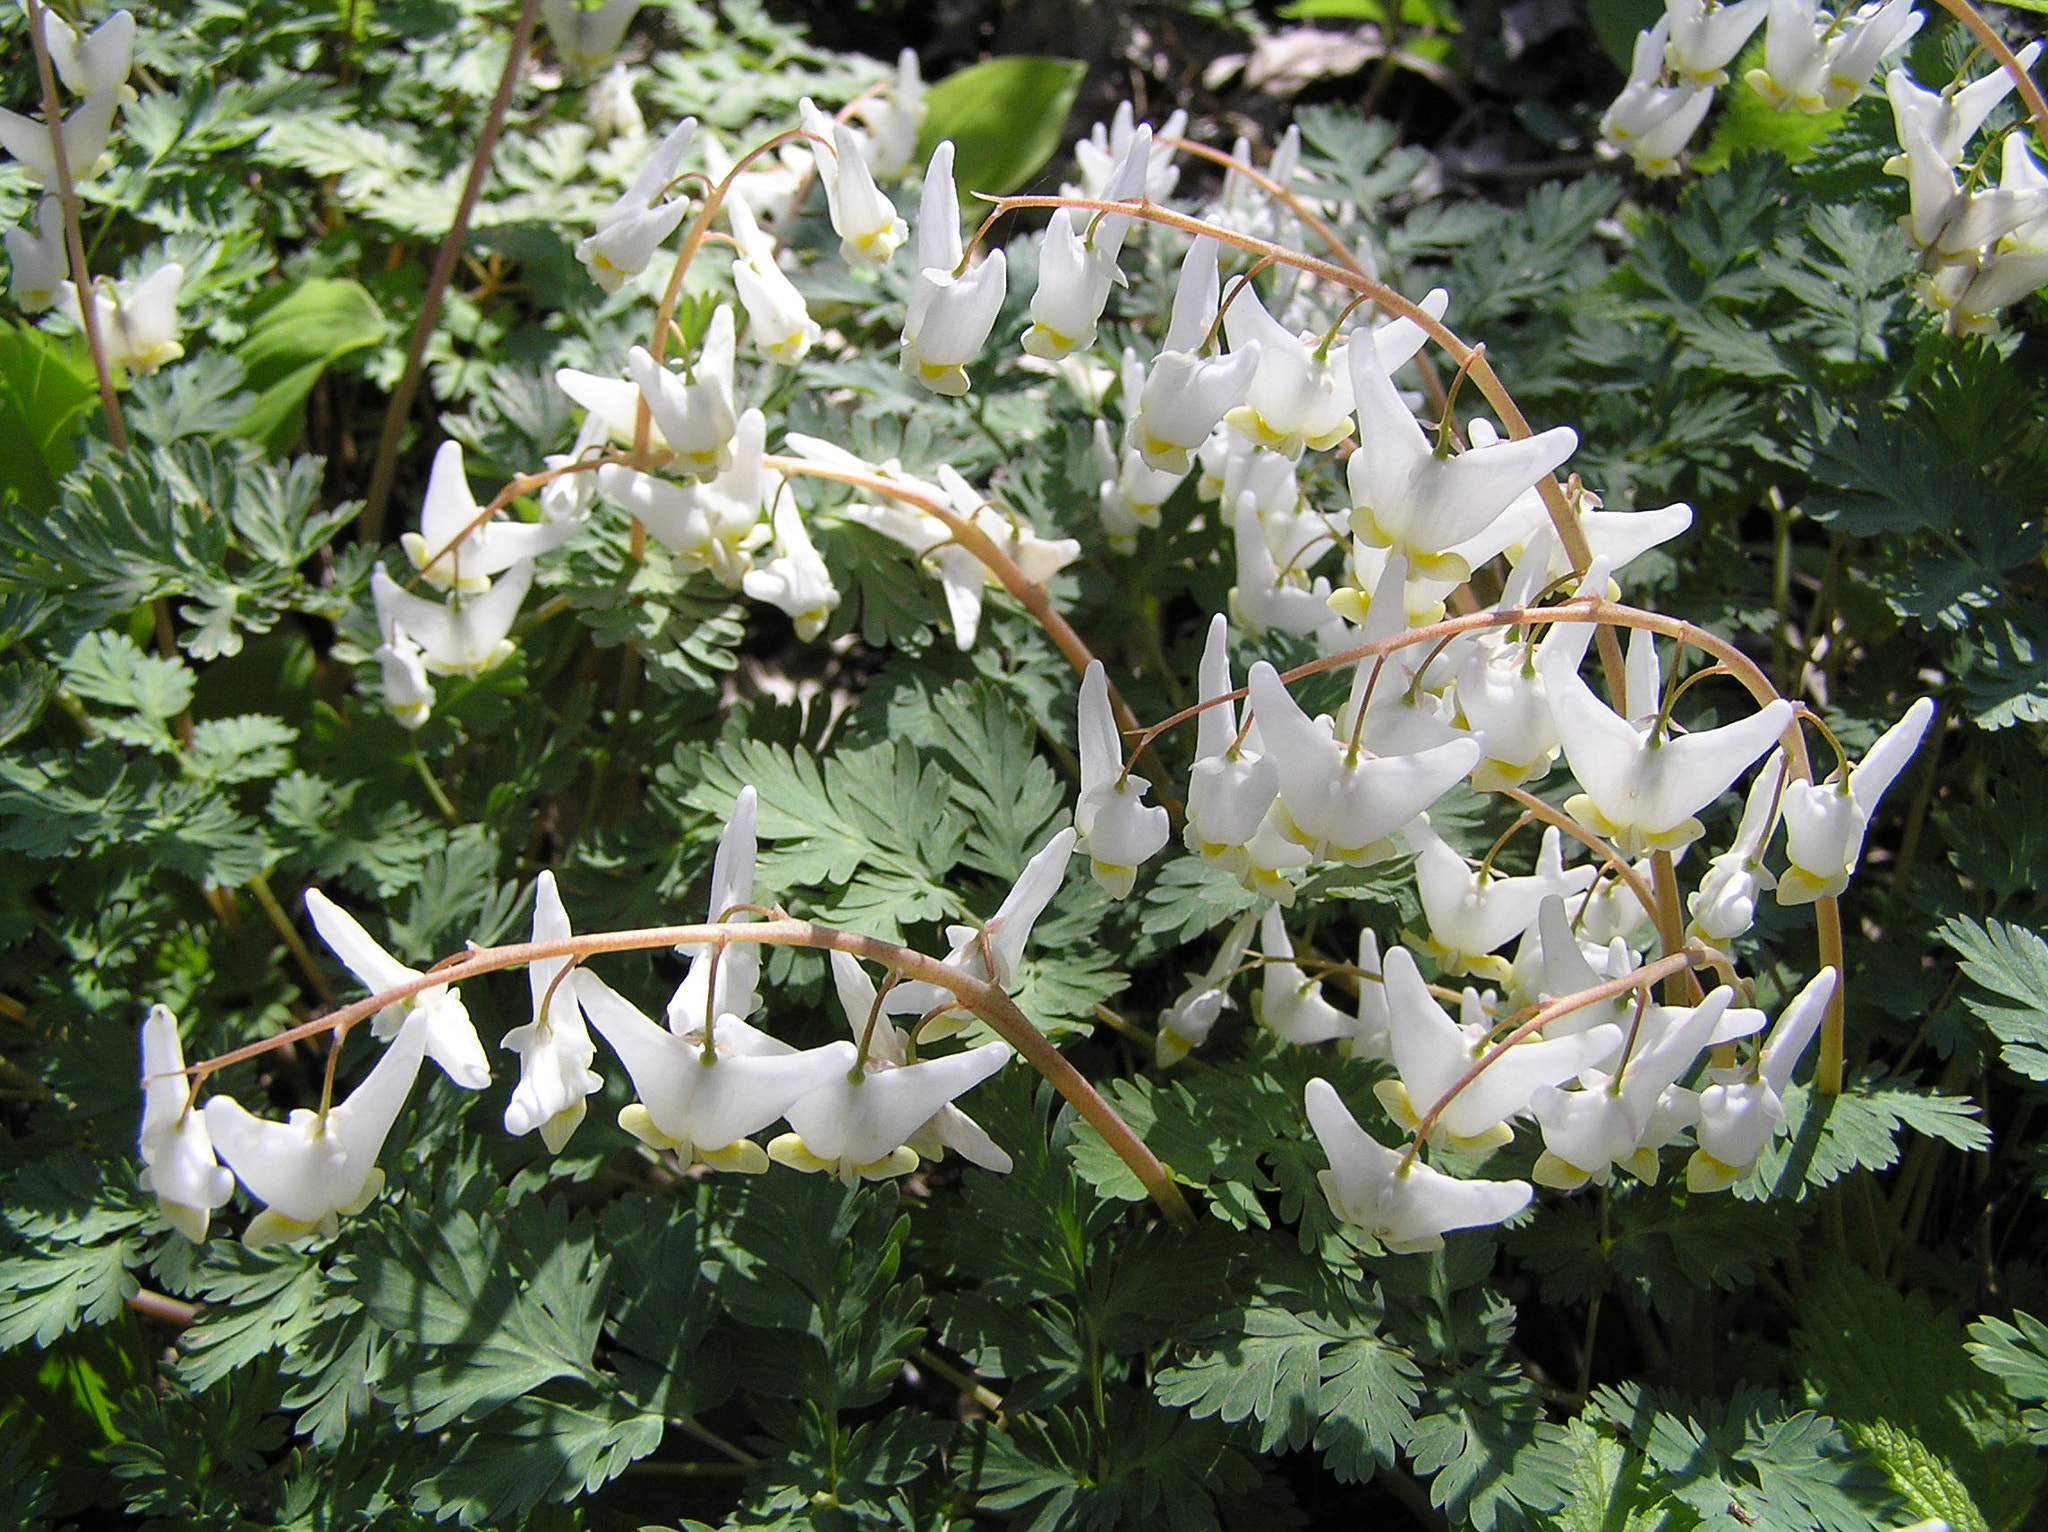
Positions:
{"x": 74, "y": 240}
{"x": 386, "y": 467}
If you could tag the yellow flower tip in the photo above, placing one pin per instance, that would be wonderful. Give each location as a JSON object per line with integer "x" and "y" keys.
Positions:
{"x": 1496, "y": 1137}
{"x": 270, "y": 1227}
{"x": 1441, "y": 566}
{"x": 373, "y": 1184}
{"x": 188, "y": 1221}
{"x": 1331, "y": 437}
{"x": 948, "y": 379}
{"x": 636, "y": 1121}
{"x": 900, "y": 1161}
{"x": 1561, "y": 1174}
{"x": 790, "y": 1149}
{"x": 1350, "y": 604}
{"x": 1798, "y": 886}
{"x": 1644, "y": 1166}
{"x": 1116, "y": 880}
{"x": 1393, "y": 1095}
{"x": 1170, "y": 1048}
{"x": 1704, "y": 1173}
{"x": 558, "y": 1129}
{"x": 742, "y": 1157}
{"x": 1049, "y": 345}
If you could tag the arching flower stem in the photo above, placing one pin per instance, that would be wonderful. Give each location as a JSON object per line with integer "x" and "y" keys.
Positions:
{"x": 985, "y": 1000}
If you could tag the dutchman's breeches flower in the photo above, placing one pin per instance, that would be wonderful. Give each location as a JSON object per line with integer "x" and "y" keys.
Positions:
{"x": 35, "y": 260}
{"x": 1433, "y": 1053}
{"x": 633, "y": 228}
{"x": 555, "y": 1050}
{"x": 1738, "y": 1118}
{"x": 859, "y": 1126}
{"x": 317, "y": 1166}
{"x": 951, "y": 311}
{"x": 452, "y": 551}
{"x": 695, "y": 412}
{"x": 451, "y": 1039}
{"x": 85, "y": 134}
{"x": 866, "y": 222}
{"x": 138, "y": 325}
{"x": 1825, "y": 822}
{"x": 91, "y": 62}
{"x": 702, "y": 1102}
{"x": 1705, "y": 37}
{"x": 1291, "y": 1004}
{"x": 179, "y": 1165}
{"x": 586, "y": 34}
{"x": 1408, "y": 1207}
{"x": 467, "y": 636}
{"x": 1117, "y": 829}
{"x": 1339, "y": 801}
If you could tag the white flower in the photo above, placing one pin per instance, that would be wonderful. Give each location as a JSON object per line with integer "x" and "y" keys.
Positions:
{"x": 1725, "y": 903}
{"x": 1406, "y": 497}
{"x": 1624, "y": 1119}
{"x": 714, "y": 525}
{"x": 35, "y": 259}
{"x": 1291, "y": 1004}
{"x": 1950, "y": 118}
{"x": 1339, "y": 800}
{"x": 777, "y": 319}
{"x": 1265, "y": 600}
{"x": 694, "y": 411}
{"x": 865, "y": 220}
{"x": 888, "y": 1047}
{"x": 1098, "y": 155}
{"x": 453, "y": 551}
{"x": 1117, "y": 830}
{"x": 316, "y": 1166}
{"x": 1643, "y": 782}
{"x": 950, "y": 312}
{"x": 1076, "y": 267}
{"x": 859, "y": 1126}
{"x": 91, "y": 63}
{"x": 613, "y": 405}
{"x": 893, "y": 120}
{"x": 796, "y": 579}
{"x": 1407, "y": 1208}
{"x": 990, "y": 952}
{"x": 736, "y": 970}
{"x": 1825, "y": 822}
{"x": 1300, "y": 393}
{"x": 1433, "y": 1053}
{"x": 555, "y": 1050}
{"x": 1814, "y": 62}
{"x": 466, "y": 637}
{"x": 587, "y": 32}
{"x": 1737, "y": 1119}
{"x": 1187, "y": 1022}
{"x": 1472, "y": 911}
{"x": 179, "y": 1164}
{"x": 703, "y": 1103}
{"x": 85, "y": 134}
{"x": 632, "y": 228}
{"x": 1230, "y": 785}
{"x": 609, "y": 108}
{"x": 451, "y": 1039}
{"x": 139, "y": 326}
{"x": 1706, "y": 36}
{"x": 408, "y": 694}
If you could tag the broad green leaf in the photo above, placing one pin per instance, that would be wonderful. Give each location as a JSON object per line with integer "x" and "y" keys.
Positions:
{"x": 1006, "y": 118}
{"x": 45, "y": 385}
{"x": 295, "y": 339}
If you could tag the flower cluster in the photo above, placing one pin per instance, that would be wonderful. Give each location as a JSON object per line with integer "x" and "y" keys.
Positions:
{"x": 1357, "y": 523}
{"x": 136, "y": 322}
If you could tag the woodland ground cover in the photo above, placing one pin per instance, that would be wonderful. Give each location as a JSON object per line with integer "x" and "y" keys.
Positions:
{"x": 1054, "y": 831}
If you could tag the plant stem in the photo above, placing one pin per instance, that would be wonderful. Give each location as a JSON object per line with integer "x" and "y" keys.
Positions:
{"x": 386, "y": 466}
{"x": 74, "y": 240}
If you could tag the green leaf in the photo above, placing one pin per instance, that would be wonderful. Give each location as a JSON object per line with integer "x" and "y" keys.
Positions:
{"x": 109, "y": 668}
{"x": 1751, "y": 123}
{"x": 2012, "y": 963}
{"x": 1006, "y": 117}
{"x": 533, "y": 1450}
{"x": 1896, "y": 1365}
{"x": 26, "y": 687}
{"x": 2016, "y": 1355}
{"x": 45, "y": 385}
{"x": 1825, "y": 1137}
{"x": 295, "y": 337}
{"x": 491, "y": 1309}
